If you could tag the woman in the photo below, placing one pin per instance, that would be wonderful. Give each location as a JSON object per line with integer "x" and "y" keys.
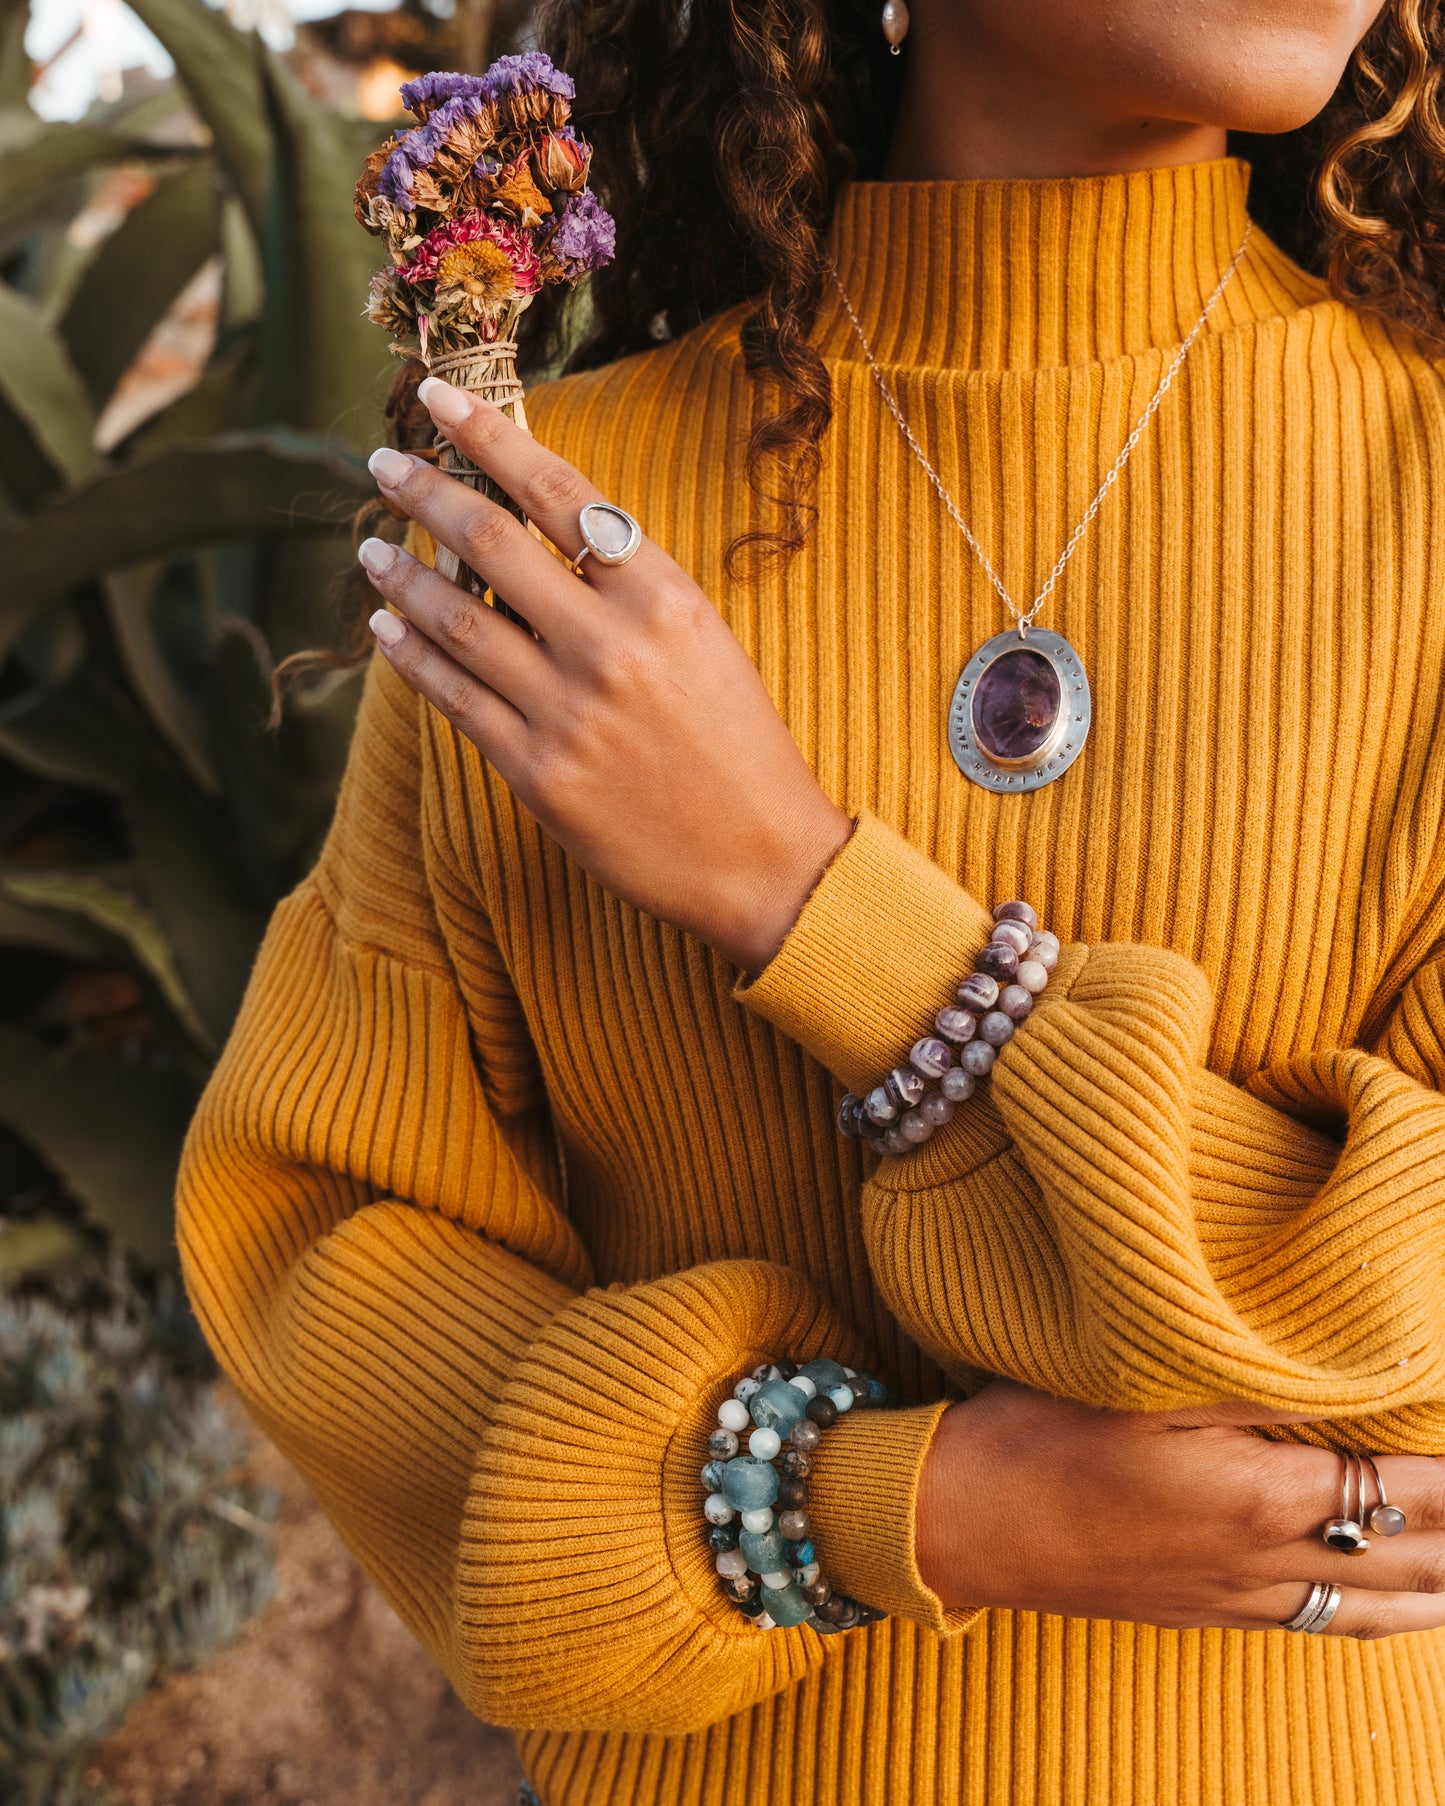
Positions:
{"x": 523, "y": 1151}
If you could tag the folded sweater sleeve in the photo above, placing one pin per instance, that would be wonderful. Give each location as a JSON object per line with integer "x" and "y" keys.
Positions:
{"x": 1109, "y": 1220}
{"x": 370, "y": 1234}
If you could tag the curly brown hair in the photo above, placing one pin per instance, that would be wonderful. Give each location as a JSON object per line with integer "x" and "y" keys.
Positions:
{"x": 723, "y": 130}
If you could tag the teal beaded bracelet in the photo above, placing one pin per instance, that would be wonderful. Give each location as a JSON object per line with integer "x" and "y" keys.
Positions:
{"x": 765, "y": 1557}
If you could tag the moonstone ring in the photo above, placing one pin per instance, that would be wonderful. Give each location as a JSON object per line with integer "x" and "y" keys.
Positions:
{"x": 608, "y": 532}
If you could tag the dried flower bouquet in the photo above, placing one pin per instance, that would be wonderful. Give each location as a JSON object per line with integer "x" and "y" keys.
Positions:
{"x": 478, "y": 204}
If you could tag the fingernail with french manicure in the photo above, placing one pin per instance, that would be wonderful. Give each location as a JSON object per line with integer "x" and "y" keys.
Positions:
{"x": 388, "y": 466}
{"x": 444, "y": 403}
{"x": 375, "y": 556}
{"x": 386, "y": 627}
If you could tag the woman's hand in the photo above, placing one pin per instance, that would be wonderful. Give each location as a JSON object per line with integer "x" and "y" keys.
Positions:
{"x": 1176, "y": 1518}
{"x": 636, "y": 729}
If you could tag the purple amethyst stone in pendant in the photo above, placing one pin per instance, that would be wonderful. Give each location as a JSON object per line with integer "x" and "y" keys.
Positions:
{"x": 1016, "y": 705}
{"x": 1020, "y": 711}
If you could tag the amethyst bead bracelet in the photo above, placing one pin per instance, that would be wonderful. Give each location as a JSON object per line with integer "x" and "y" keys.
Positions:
{"x": 903, "y": 1111}
{"x": 757, "y": 1503}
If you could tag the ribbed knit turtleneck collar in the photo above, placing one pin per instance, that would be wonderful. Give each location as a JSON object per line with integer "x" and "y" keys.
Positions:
{"x": 1017, "y": 275}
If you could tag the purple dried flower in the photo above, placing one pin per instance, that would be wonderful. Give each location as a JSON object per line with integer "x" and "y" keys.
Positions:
{"x": 428, "y": 92}
{"x": 416, "y": 148}
{"x": 585, "y": 236}
{"x": 521, "y": 74}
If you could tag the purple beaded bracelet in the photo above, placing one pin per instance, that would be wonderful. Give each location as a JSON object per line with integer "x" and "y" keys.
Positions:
{"x": 901, "y": 1113}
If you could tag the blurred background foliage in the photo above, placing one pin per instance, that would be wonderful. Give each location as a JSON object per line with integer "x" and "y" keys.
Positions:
{"x": 188, "y": 391}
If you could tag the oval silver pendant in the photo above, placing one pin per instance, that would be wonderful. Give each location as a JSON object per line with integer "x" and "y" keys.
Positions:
{"x": 1020, "y": 712}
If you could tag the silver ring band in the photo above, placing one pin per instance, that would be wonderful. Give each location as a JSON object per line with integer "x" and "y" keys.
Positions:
{"x": 1347, "y": 1531}
{"x": 1317, "y": 1610}
{"x": 608, "y": 532}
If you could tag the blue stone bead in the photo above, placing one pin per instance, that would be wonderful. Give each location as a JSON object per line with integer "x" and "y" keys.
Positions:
{"x": 722, "y": 1537}
{"x": 842, "y": 1396}
{"x": 712, "y": 1475}
{"x": 824, "y": 1374}
{"x": 877, "y": 1391}
{"x": 777, "y": 1406}
{"x": 785, "y": 1605}
{"x": 763, "y": 1550}
{"x": 748, "y": 1483}
{"x": 800, "y": 1554}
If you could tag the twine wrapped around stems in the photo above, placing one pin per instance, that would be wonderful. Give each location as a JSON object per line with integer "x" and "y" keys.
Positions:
{"x": 489, "y": 370}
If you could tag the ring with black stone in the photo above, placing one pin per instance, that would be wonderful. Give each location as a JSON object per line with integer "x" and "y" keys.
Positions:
{"x": 1347, "y": 1532}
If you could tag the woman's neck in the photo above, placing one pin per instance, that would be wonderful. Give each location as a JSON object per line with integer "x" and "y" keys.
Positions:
{"x": 962, "y": 118}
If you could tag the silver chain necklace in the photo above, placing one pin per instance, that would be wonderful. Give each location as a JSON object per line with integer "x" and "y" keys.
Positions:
{"x": 1021, "y": 710}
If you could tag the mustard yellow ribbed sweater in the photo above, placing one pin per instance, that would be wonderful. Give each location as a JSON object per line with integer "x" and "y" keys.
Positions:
{"x": 499, "y": 1379}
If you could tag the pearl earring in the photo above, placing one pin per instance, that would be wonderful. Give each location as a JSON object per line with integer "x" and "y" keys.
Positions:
{"x": 895, "y": 24}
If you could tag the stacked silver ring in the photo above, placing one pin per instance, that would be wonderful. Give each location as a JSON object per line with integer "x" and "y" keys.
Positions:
{"x": 1347, "y": 1531}
{"x": 1318, "y": 1609}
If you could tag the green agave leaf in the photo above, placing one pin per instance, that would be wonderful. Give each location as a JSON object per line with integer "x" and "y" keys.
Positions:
{"x": 54, "y": 154}
{"x": 206, "y": 910}
{"x": 222, "y": 396}
{"x": 112, "y": 1131}
{"x": 137, "y": 273}
{"x": 243, "y": 293}
{"x": 220, "y": 70}
{"x": 107, "y": 899}
{"x": 325, "y": 366}
{"x": 41, "y": 385}
{"x": 14, "y": 64}
{"x": 24, "y": 925}
{"x": 243, "y": 486}
{"x": 130, "y": 599}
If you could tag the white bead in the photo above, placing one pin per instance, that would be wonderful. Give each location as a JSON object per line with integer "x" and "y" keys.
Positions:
{"x": 718, "y": 1509}
{"x": 763, "y": 1622}
{"x": 1032, "y": 974}
{"x": 957, "y": 1084}
{"x": 1045, "y": 950}
{"x": 745, "y": 1389}
{"x": 765, "y": 1444}
{"x": 732, "y": 1564}
{"x": 758, "y": 1521}
{"x": 732, "y": 1414}
{"x": 780, "y": 1579}
{"x": 850, "y": 1373}
{"x": 1015, "y": 935}
{"x": 804, "y": 1384}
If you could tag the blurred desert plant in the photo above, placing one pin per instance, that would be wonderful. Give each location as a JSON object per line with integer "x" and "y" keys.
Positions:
{"x": 131, "y": 1545}
{"x": 147, "y": 824}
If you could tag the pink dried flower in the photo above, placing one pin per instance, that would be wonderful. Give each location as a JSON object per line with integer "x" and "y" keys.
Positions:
{"x": 504, "y": 258}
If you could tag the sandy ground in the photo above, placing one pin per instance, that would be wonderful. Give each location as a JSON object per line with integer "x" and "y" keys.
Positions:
{"x": 325, "y": 1701}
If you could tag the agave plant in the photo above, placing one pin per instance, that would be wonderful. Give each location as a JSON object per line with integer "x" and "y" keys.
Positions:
{"x": 147, "y": 823}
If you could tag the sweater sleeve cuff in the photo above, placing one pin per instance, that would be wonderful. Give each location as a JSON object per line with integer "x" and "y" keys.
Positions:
{"x": 878, "y": 949}
{"x": 863, "y": 1500}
